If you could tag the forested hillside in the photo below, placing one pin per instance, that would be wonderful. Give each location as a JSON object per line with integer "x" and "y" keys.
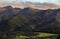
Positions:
{"x": 16, "y": 21}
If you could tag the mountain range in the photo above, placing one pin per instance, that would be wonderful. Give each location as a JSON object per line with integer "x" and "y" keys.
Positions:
{"x": 27, "y": 19}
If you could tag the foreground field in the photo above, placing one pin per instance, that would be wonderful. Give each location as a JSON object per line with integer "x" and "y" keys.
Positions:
{"x": 40, "y": 36}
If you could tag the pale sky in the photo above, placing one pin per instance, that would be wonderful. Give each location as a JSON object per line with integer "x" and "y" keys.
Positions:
{"x": 49, "y": 1}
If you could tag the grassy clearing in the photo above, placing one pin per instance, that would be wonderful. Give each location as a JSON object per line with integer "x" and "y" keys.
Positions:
{"x": 41, "y": 35}
{"x": 46, "y": 34}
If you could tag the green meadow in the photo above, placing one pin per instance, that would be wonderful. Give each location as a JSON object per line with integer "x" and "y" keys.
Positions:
{"x": 40, "y": 36}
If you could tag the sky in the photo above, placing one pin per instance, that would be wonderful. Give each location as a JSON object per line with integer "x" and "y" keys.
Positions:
{"x": 49, "y": 1}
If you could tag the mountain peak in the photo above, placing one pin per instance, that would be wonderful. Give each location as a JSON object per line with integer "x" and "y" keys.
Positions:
{"x": 8, "y": 7}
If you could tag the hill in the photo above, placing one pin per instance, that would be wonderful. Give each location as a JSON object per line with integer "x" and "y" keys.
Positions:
{"x": 29, "y": 19}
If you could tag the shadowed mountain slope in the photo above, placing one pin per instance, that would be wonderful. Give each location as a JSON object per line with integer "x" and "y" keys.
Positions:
{"x": 29, "y": 19}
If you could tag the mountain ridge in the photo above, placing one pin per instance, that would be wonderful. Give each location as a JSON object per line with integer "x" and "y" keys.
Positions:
{"x": 37, "y": 5}
{"x": 42, "y": 20}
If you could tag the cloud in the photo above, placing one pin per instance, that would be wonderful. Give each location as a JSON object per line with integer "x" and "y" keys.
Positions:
{"x": 30, "y": 4}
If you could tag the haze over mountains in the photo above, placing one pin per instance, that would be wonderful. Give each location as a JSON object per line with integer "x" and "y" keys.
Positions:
{"x": 36, "y": 5}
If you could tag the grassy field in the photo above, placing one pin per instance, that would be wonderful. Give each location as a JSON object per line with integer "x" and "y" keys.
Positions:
{"x": 40, "y": 36}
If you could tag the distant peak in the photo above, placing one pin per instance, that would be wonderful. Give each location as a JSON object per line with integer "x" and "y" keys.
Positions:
{"x": 27, "y": 8}
{"x": 8, "y": 7}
